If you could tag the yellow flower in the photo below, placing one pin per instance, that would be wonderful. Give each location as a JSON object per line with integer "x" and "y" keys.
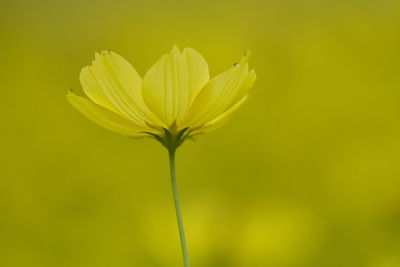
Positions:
{"x": 174, "y": 100}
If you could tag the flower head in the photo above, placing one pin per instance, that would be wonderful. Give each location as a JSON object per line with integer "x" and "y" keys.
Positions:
{"x": 175, "y": 99}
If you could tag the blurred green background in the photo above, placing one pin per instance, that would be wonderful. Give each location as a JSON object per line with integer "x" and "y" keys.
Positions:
{"x": 306, "y": 173}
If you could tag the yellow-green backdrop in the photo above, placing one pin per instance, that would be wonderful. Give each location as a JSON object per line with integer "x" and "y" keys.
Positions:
{"x": 305, "y": 174}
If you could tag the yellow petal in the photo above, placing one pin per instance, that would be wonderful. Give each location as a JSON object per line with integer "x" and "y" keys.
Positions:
{"x": 114, "y": 84}
{"x": 104, "y": 117}
{"x": 221, "y": 119}
{"x": 94, "y": 91}
{"x": 172, "y": 83}
{"x": 220, "y": 94}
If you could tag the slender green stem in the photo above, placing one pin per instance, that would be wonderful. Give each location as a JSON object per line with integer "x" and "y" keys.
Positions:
{"x": 178, "y": 207}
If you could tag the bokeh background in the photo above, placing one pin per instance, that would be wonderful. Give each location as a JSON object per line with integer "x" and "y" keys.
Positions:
{"x": 306, "y": 173}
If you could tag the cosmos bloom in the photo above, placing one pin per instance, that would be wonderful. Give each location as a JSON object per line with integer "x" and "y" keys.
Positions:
{"x": 175, "y": 99}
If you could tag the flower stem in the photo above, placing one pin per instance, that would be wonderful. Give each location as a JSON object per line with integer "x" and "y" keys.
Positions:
{"x": 178, "y": 206}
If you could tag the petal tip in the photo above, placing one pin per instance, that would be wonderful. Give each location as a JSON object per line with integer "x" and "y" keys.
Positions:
{"x": 245, "y": 57}
{"x": 175, "y": 50}
{"x": 69, "y": 93}
{"x": 84, "y": 70}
